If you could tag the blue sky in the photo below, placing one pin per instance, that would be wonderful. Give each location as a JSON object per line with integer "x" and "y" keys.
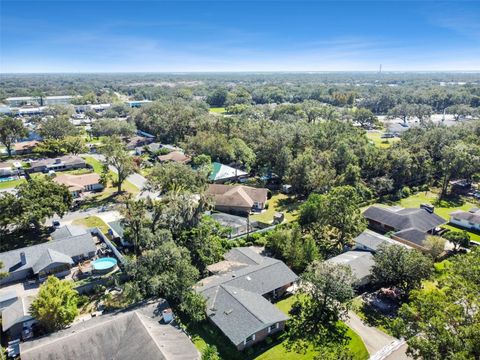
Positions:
{"x": 141, "y": 36}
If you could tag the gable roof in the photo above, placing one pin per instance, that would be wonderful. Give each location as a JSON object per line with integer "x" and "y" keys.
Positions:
{"x": 235, "y": 301}
{"x": 402, "y": 219}
{"x": 472, "y": 216}
{"x": 359, "y": 261}
{"x": 237, "y": 195}
{"x": 77, "y": 182}
{"x": 127, "y": 334}
{"x": 224, "y": 172}
{"x": 49, "y": 257}
{"x": 67, "y": 160}
{"x": 16, "y": 313}
{"x": 175, "y": 156}
{"x": 373, "y": 240}
{"x": 239, "y": 313}
{"x": 68, "y": 231}
{"x": 25, "y": 145}
{"x": 68, "y": 247}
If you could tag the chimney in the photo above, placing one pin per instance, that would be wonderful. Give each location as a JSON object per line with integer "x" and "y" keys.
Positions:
{"x": 23, "y": 259}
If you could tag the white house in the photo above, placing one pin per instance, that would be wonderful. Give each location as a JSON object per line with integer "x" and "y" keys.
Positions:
{"x": 466, "y": 219}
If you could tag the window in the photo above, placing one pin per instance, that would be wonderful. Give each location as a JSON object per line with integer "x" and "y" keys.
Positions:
{"x": 272, "y": 327}
{"x": 250, "y": 338}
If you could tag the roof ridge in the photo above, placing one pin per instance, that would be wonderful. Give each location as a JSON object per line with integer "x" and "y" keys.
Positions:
{"x": 261, "y": 266}
{"x": 246, "y": 308}
{"x": 77, "y": 332}
{"x": 45, "y": 243}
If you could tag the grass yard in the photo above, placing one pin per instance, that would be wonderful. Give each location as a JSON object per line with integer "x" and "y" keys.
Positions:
{"x": 278, "y": 203}
{"x": 376, "y": 138}
{"x": 92, "y": 221}
{"x": 442, "y": 209}
{"x": 207, "y": 333}
{"x": 96, "y": 165}
{"x": 11, "y": 183}
{"x": 218, "y": 110}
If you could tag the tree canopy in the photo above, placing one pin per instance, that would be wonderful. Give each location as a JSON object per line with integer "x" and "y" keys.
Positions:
{"x": 55, "y": 306}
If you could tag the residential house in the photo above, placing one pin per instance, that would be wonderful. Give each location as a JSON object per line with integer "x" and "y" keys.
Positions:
{"x": 237, "y": 295}
{"x": 466, "y": 219}
{"x": 54, "y": 257}
{"x": 68, "y": 162}
{"x": 143, "y": 332}
{"x": 408, "y": 225}
{"x": 24, "y": 147}
{"x": 137, "y": 103}
{"x": 360, "y": 262}
{"x": 10, "y": 168}
{"x": 370, "y": 241}
{"x": 78, "y": 184}
{"x": 223, "y": 173}
{"x": 117, "y": 231}
{"x": 149, "y": 148}
{"x": 174, "y": 156}
{"x": 238, "y": 199}
{"x": 16, "y": 317}
{"x": 137, "y": 141}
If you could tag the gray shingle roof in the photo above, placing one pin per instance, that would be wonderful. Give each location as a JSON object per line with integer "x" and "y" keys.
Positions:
{"x": 239, "y": 313}
{"x": 402, "y": 219}
{"x": 67, "y": 231}
{"x": 244, "y": 255}
{"x": 412, "y": 235}
{"x": 360, "y": 262}
{"x": 261, "y": 279}
{"x": 117, "y": 227}
{"x": 49, "y": 257}
{"x": 16, "y": 313}
{"x": 124, "y": 335}
{"x": 234, "y": 299}
{"x": 69, "y": 246}
{"x": 373, "y": 240}
{"x": 472, "y": 216}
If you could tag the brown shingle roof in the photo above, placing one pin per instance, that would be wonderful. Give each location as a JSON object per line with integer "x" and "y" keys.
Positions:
{"x": 24, "y": 145}
{"x": 175, "y": 156}
{"x": 237, "y": 195}
{"x": 77, "y": 182}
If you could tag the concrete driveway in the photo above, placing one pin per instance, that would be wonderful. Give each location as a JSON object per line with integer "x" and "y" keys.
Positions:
{"x": 374, "y": 339}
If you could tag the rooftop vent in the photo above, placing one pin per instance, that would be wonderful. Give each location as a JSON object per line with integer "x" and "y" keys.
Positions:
{"x": 248, "y": 278}
{"x": 23, "y": 258}
{"x": 228, "y": 312}
{"x": 429, "y": 207}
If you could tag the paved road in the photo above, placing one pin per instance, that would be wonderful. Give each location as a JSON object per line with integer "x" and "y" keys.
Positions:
{"x": 106, "y": 212}
{"x": 374, "y": 339}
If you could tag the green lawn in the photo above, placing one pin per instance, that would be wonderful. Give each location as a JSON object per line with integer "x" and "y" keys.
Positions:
{"x": 443, "y": 209}
{"x": 207, "y": 333}
{"x": 278, "y": 203}
{"x": 279, "y": 351}
{"x": 218, "y": 110}
{"x": 376, "y": 138}
{"x": 97, "y": 165}
{"x": 98, "y": 168}
{"x": 11, "y": 183}
{"x": 91, "y": 222}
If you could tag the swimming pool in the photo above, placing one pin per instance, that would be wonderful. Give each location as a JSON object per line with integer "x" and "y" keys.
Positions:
{"x": 11, "y": 178}
{"x": 104, "y": 265}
